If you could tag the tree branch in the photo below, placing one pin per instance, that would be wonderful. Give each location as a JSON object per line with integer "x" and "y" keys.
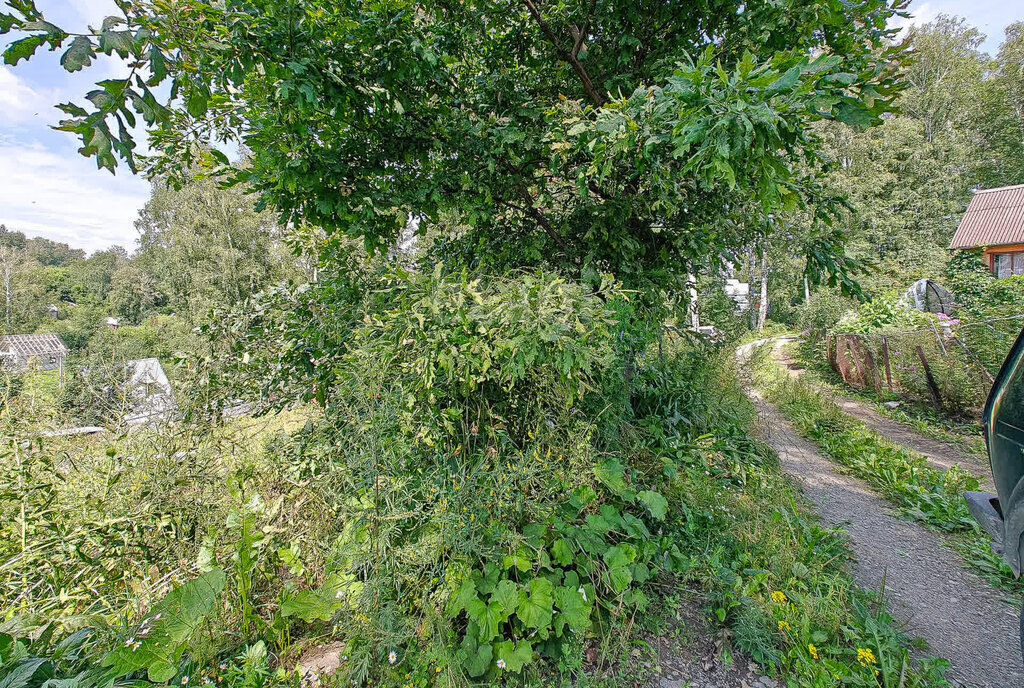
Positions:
{"x": 541, "y": 219}
{"x": 581, "y": 33}
{"x": 566, "y": 55}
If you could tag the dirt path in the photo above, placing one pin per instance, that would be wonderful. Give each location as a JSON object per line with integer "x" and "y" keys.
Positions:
{"x": 961, "y": 618}
{"x": 938, "y": 453}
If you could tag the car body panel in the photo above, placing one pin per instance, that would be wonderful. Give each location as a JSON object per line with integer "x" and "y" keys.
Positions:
{"x": 1003, "y": 420}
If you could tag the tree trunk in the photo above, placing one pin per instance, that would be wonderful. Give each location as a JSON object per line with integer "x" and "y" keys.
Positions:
{"x": 691, "y": 288}
{"x": 762, "y": 312}
{"x": 750, "y": 286}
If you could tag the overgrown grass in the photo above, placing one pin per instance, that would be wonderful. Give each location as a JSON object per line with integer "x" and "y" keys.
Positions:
{"x": 923, "y": 492}
{"x": 249, "y": 515}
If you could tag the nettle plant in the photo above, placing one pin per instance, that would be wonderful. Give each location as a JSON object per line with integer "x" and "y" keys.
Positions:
{"x": 490, "y": 516}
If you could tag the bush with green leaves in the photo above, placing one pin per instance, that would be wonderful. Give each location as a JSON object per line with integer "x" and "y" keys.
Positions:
{"x": 821, "y": 314}
{"x": 39, "y": 658}
{"x": 885, "y": 312}
{"x": 472, "y": 425}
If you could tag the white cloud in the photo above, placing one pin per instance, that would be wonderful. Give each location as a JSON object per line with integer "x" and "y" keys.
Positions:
{"x": 63, "y": 197}
{"x": 19, "y": 102}
{"x": 919, "y": 14}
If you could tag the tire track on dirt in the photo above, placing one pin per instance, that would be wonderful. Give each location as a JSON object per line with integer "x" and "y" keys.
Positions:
{"x": 940, "y": 454}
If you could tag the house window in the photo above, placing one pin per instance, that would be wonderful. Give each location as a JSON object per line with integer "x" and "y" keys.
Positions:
{"x": 1006, "y": 264}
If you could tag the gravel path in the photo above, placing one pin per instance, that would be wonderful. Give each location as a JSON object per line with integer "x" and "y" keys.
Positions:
{"x": 960, "y": 617}
{"x": 937, "y": 452}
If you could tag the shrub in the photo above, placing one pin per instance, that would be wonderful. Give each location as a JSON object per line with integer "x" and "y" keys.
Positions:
{"x": 885, "y": 312}
{"x": 485, "y": 494}
{"x": 820, "y": 315}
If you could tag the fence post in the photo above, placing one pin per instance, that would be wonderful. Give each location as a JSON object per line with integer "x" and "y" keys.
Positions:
{"x": 885, "y": 358}
{"x": 932, "y": 387}
{"x": 856, "y": 361}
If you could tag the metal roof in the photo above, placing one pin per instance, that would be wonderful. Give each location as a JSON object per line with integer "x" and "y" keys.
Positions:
{"x": 994, "y": 217}
{"x": 26, "y": 345}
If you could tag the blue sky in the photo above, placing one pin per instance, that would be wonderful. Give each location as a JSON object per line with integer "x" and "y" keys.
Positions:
{"x": 48, "y": 189}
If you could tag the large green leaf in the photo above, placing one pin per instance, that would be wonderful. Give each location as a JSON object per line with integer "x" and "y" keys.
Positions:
{"x": 486, "y": 617}
{"x": 572, "y": 610}
{"x": 465, "y": 594}
{"x": 477, "y": 656}
{"x": 311, "y": 604}
{"x": 506, "y": 598}
{"x": 562, "y": 549}
{"x": 619, "y": 559}
{"x": 785, "y": 82}
{"x": 78, "y": 55}
{"x": 23, "y": 49}
{"x": 120, "y": 42}
{"x": 612, "y": 474}
{"x": 172, "y": 621}
{"x": 21, "y": 673}
{"x": 656, "y": 504}
{"x": 535, "y": 609}
{"x": 514, "y": 655}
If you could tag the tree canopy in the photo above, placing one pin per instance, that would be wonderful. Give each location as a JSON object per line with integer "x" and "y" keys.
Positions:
{"x": 590, "y": 136}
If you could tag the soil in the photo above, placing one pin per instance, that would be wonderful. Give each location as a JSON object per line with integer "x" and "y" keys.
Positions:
{"x": 961, "y": 618}
{"x": 696, "y": 659}
{"x": 320, "y": 660}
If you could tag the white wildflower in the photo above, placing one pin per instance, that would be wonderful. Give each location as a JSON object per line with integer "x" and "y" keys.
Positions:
{"x": 392, "y": 657}
{"x": 501, "y": 663}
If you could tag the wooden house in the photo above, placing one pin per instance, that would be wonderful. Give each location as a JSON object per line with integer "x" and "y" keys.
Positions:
{"x": 994, "y": 222}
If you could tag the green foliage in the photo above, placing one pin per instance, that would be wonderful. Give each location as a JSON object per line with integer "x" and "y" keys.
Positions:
{"x": 463, "y": 416}
{"x": 997, "y": 305}
{"x": 26, "y": 663}
{"x": 572, "y": 136}
{"x": 1001, "y": 113}
{"x": 202, "y": 248}
{"x": 821, "y": 314}
{"x": 159, "y": 641}
{"x": 884, "y": 313}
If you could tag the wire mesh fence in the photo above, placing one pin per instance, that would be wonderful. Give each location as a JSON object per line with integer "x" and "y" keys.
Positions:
{"x": 950, "y": 365}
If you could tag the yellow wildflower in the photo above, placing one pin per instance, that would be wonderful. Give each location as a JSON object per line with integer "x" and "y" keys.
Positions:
{"x": 813, "y": 650}
{"x": 783, "y": 626}
{"x": 778, "y": 596}
{"x": 865, "y": 656}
